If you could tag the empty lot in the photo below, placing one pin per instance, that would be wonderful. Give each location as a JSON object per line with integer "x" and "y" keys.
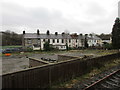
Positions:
{"x": 17, "y": 62}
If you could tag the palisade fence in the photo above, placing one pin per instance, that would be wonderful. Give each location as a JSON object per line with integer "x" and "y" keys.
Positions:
{"x": 47, "y": 75}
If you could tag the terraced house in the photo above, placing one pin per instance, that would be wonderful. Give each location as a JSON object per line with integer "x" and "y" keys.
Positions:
{"x": 59, "y": 41}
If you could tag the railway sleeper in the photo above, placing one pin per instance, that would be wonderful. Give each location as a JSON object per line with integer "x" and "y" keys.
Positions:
{"x": 115, "y": 77}
{"x": 112, "y": 84}
{"x": 105, "y": 86}
{"x": 114, "y": 80}
{"x": 118, "y": 75}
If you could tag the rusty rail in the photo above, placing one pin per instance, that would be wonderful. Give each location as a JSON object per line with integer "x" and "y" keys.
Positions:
{"x": 101, "y": 80}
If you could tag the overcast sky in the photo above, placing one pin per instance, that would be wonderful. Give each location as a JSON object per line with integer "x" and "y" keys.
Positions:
{"x": 74, "y": 16}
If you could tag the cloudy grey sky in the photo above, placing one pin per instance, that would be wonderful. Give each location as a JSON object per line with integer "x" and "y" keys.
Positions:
{"x": 74, "y": 16}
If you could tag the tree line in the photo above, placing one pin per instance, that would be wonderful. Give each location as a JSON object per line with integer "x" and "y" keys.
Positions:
{"x": 11, "y": 38}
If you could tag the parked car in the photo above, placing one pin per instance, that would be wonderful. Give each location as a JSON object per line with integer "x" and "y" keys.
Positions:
{"x": 15, "y": 50}
{"x": 11, "y": 50}
{"x": 8, "y": 50}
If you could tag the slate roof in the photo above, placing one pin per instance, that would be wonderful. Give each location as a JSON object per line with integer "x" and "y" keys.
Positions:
{"x": 94, "y": 37}
{"x": 53, "y": 36}
{"x": 45, "y": 36}
{"x": 105, "y": 37}
{"x": 81, "y": 37}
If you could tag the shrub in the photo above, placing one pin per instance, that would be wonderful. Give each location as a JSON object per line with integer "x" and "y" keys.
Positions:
{"x": 47, "y": 46}
{"x": 108, "y": 46}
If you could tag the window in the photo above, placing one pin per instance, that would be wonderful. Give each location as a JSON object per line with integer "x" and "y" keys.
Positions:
{"x": 53, "y": 40}
{"x": 44, "y": 40}
{"x": 49, "y": 40}
{"x": 29, "y": 41}
{"x": 36, "y": 45}
{"x": 69, "y": 40}
{"x": 76, "y": 46}
{"x": 76, "y": 40}
{"x": 38, "y": 40}
{"x": 62, "y": 40}
{"x": 82, "y": 40}
{"x": 57, "y": 40}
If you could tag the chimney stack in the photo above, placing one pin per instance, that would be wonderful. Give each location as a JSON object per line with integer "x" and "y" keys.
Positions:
{"x": 48, "y": 32}
{"x": 81, "y": 34}
{"x": 23, "y": 32}
{"x": 38, "y": 33}
{"x": 63, "y": 33}
{"x": 56, "y": 33}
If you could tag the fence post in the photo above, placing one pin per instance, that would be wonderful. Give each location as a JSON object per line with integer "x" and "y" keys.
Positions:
{"x": 49, "y": 76}
{"x": 13, "y": 81}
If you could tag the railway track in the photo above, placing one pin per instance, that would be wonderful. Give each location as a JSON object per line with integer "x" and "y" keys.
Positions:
{"x": 107, "y": 80}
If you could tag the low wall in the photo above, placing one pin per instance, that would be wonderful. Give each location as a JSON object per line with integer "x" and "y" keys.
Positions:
{"x": 36, "y": 62}
{"x": 46, "y": 75}
{"x": 33, "y": 62}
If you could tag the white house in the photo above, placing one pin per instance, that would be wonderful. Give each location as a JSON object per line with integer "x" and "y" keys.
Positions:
{"x": 94, "y": 40}
{"x": 106, "y": 38}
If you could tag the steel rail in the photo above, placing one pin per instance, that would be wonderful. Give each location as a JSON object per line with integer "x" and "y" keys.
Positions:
{"x": 100, "y": 80}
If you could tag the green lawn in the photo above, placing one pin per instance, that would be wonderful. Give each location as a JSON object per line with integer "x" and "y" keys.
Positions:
{"x": 4, "y": 47}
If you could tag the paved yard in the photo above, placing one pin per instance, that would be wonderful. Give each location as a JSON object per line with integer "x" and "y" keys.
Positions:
{"x": 12, "y": 64}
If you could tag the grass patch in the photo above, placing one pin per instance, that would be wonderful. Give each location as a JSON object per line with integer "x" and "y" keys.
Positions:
{"x": 95, "y": 71}
{"x": 16, "y": 46}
